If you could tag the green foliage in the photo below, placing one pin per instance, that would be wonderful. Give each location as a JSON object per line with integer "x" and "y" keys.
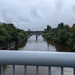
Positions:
{"x": 9, "y": 34}
{"x": 73, "y": 28}
{"x": 48, "y": 27}
{"x": 67, "y": 27}
{"x": 62, "y": 34}
{"x": 61, "y": 25}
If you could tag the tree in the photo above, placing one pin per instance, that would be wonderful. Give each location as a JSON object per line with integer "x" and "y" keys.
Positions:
{"x": 9, "y": 34}
{"x": 67, "y": 27}
{"x": 73, "y": 28}
{"x": 48, "y": 27}
{"x": 61, "y": 25}
{"x": 63, "y": 34}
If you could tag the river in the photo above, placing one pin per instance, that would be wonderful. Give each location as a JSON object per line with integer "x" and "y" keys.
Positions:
{"x": 38, "y": 43}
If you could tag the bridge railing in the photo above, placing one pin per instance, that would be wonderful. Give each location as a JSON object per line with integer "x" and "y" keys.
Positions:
{"x": 37, "y": 58}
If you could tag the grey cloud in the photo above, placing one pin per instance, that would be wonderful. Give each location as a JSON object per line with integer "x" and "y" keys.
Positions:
{"x": 59, "y": 4}
{"x": 73, "y": 8}
{"x": 37, "y": 13}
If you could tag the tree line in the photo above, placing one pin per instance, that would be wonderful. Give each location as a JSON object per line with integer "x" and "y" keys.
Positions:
{"x": 63, "y": 34}
{"x": 9, "y": 34}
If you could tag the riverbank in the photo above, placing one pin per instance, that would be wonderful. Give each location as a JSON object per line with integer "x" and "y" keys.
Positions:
{"x": 9, "y": 35}
{"x": 10, "y": 46}
{"x": 63, "y": 34}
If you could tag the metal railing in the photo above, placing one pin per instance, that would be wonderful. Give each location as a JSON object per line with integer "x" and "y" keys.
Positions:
{"x": 37, "y": 58}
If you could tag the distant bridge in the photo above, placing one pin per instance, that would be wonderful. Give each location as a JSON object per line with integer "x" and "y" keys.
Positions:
{"x": 35, "y": 32}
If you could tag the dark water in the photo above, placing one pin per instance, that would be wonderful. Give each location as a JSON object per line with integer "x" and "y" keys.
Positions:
{"x": 37, "y": 43}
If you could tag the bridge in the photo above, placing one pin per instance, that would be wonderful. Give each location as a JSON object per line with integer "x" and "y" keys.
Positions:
{"x": 37, "y": 58}
{"x": 35, "y": 32}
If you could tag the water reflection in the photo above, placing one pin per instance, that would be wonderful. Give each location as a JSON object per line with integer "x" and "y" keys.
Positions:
{"x": 5, "y": 67}
{"x": 59, "y": 47}
{"x": 20, "y": 45}
{"x": 36, "y": 38}
{"x": 37, "y": 43}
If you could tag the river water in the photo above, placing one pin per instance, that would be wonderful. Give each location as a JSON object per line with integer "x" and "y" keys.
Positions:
{"x": 37, "y": 43}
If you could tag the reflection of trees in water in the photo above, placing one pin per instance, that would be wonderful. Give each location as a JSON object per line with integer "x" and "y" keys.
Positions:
{"x": 20, "y": 45}
{"x": 62, "y": 48}
{"x": 5, "y": 66}
{"x": 59, "y": 47}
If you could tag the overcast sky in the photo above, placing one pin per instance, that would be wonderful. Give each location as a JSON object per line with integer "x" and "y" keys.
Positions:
{"x": 37, "y": 14}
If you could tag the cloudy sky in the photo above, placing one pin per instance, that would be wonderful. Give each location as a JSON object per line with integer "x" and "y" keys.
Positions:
{"x": 37, "y": 14}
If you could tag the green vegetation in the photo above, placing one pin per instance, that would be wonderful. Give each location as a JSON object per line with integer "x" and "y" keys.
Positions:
{"x": 63, "y": 34}
{"x": 10, "y": 34}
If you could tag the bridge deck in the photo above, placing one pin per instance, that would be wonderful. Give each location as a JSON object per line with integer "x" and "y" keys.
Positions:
{"x": 35, "y": 32}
